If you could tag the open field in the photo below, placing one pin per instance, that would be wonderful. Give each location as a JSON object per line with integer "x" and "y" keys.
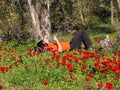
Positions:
{"x": 22, "y": 69}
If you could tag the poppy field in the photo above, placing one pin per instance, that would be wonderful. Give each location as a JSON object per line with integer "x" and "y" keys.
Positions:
{"x": 21, "y": 68}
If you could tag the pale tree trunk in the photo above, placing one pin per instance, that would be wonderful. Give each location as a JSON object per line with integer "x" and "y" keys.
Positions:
{"x": 80, "y": 12}
{"x": 45, "y": 19}
{"x": 37, "y": 34}
{"x": 118, "y": 4}
{"x": 112, "y": 12}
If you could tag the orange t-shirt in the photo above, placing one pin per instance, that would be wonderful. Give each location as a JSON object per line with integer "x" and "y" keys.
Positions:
{"x": 54, "y": 46}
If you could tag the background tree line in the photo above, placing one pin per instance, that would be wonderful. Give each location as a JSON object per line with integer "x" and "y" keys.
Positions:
{"x": 17, "y": 17}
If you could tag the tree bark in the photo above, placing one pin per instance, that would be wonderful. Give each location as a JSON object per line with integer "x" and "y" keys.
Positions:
{"x": 81, "y": 13}
{"x": 112, "y": 12}
{"x": 118, "y": 4}
{"x": 36, "y": 33}
{"x": 45, "y": 19}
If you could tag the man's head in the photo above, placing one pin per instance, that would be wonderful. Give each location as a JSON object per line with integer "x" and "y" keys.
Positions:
{"x": 46, "y": 39}
{"x": 43, "y": 41}
{"x": 40, "y": 46}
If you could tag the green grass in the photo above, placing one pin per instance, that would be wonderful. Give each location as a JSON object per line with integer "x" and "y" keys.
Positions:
{"x": 30, "y": 71}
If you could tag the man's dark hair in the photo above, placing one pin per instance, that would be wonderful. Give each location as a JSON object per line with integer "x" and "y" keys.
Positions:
{"x": 39, "y": 46}
{"x": 40, "y": 43}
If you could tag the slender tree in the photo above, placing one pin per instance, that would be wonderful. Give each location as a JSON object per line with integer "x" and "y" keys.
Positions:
{"x": 45, "y": 18}
{"x": 112, "y": 12}
{"x": 37, "y": 34}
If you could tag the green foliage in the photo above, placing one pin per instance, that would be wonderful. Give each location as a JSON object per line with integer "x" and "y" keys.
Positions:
{"x": 15, "y": 21}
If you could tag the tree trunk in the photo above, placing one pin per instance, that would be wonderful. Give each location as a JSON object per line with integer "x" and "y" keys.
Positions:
{"x": 45, "y": 19}
{"x": 112, "y": 13}
{"x": 81, "y": 13}
{"x": 36, "y": 33}
{"x": 118, "y": 4}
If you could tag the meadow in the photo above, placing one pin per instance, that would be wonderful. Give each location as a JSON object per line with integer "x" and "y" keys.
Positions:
{"x": 23, "y": 69}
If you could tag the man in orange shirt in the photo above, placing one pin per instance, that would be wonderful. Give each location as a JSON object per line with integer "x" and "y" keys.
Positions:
{"x": 79, "y": 37}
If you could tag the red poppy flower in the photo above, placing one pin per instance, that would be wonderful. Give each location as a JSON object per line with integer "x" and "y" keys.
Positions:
{"x": 87, "y": 79}
{"x": 79, "y": 51}
{"x": 97, "y": 40}
{"x": 109, "y": 85}
{"x": 84, "y": 57}
{"x": 19, "y": 56}
{"x": 57, "y": 57}
{"x": 90, "y": 75}
{"x": 75, "y": 58}
{"x": 104, "y": 69}
{"x": 3, "y": 69}
{"x": 115, "y": 68}
{"x": 118, "y": 73}
{"x": 84, "y": 67}
{"x": 1, "y": 86}
{"x": 115, "y": 53}
{"x": 99, "y": 85}
{"x": 11, "y": 67}
{"x": 97, "y": 65}
{"x": 45, "y": 83}
{"x": 70, "y": 67}
{"x": 96, "y": 50}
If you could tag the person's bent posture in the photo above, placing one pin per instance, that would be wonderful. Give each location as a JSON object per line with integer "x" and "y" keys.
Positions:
{"x": 76, "y": 42}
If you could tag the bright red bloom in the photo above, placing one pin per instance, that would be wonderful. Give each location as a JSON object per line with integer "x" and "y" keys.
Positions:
{"x": 87, "y": 79}
{"x": 19, "y": 56}
{"x": 109, "y": 85}
{"x": 1, "y": 86}
{"x": 75, "y": 58}
{"x": 57, "y": 57}
{"x": 118, "y": 73}
{"x": 115, "y": 53}
{"x": 70, "y": 67}
{"x": 84, "y": 57}
{"x": 104, "y": 69}
{"x": 11, "y": 67}
{"x": 84, "y": 67}
{"x": 3, "y": 69}
{"x": 64, "y": 57}
{"x": 79, "y": 51}
{"x": 64, "y": 60}
{"x": 99, "y": 85}
{"x": 90, "y": 75}
{"x": 97, "y": 40}
{"x": 45, "y": 83}
{"x": 70, "y": 58}
{"x": 96, "y": 50}
{"x": 115, "y": 68}
{"x": 97, "y": 65}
